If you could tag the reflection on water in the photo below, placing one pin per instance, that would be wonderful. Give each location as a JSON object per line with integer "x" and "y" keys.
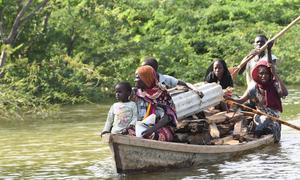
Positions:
{"x": 66, "y": 146}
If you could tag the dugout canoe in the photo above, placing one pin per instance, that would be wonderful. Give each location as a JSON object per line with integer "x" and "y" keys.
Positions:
{"x": 133, "y": 155}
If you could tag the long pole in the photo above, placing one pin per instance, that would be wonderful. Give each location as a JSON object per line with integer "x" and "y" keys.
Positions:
{"x": 262, "y": 113}
{"x": 246, "y": 59}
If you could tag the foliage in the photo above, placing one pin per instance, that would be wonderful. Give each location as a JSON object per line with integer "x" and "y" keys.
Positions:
{"x": 75, "y": 51}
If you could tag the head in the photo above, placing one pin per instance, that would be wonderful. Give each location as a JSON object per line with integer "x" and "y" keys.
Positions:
{"x": 260, "y": 40}
{"x": 145, "y": 77}
{"x": 219, "y": 66}
{"x": 123, "y": 91}
{"x": 261, "y": 73}
{"x": 151, "y": 61}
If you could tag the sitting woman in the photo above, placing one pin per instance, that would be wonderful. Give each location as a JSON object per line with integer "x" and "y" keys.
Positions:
{"x": 153, "y": 98}
{"x": 266, "y": 93}
{"x": 219, "y": 73}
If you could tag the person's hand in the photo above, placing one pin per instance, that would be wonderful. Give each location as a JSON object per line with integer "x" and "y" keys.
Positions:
{"x": 228, "y": 92}
{"x": 270, "y": 44}
{"x": 272, "y": 68}
{"x": 103, "y": 132}
{"x": 192, "y": 87}
{"x": 147, "y": 132}
{"x": 226, "y": 97}
{"x": 126, "y": 130}
{"x": 200, "y": 93}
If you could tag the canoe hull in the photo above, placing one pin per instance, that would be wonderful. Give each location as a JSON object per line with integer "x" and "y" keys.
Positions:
{"x": 133, "y": 154}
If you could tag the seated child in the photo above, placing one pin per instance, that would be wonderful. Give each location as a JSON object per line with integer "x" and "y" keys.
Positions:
{"x": 122, "y": 114}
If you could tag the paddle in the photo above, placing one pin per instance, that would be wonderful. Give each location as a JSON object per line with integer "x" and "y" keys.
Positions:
{"x": 235, "y": 70}
{"x": 262, "y": 113}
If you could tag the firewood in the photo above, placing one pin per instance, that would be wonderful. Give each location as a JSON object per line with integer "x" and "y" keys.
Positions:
{"x": 211, "y": 112}
{"x": 234, "y": 116}
{"x": 181, "y": 137}
{"x": 213, "y": 130}
{"x": 200, "y": 139}
{"x": 217, "y": 118}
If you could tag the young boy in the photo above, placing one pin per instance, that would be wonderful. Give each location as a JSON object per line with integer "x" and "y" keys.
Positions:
{"x": 122, "y": 114}
{"x": 260, "y": 41}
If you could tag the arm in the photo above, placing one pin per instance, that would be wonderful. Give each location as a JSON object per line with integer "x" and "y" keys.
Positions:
{"x": 282, "y": 90}
{"x": 244, "y": 98}
{"x": 241, "y": 100}
{"x": 134, "y": 115}
{"x": 193, "y": 88}
{"x": 161, "y": 123}
{"x": 243, "y": 63}
{"x": 182, "y": 83}
{"x": 109, "y": 121}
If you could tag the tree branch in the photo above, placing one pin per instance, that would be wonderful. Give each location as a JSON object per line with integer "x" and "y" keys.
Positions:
{"x": 37, "y": 9}
{"x": 1, "y": 26}
{"x": 14, "y": 30}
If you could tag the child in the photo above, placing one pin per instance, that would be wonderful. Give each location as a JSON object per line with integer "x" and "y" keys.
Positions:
{"x": 123, "y": 114}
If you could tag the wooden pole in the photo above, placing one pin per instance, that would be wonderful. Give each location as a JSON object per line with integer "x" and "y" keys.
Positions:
{"x": 262, "y": 113}
{"x": 246, "y": 59}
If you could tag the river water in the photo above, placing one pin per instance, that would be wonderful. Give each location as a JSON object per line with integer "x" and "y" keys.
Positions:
{"x": 67, "y": 146}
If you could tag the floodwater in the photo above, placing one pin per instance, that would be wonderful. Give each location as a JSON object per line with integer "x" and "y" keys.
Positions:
{"x": 67, "y": 147}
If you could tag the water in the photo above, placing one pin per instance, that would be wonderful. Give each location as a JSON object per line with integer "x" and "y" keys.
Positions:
{"x": 67, "y": 147}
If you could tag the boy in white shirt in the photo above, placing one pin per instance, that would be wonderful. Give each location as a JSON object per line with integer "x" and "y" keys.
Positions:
{"x": 122, "y": 114}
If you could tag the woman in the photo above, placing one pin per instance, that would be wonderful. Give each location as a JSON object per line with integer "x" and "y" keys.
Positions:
{"x": 152, "y": 98}
{"x": 266, "y": 93}
{"x": 218, "y": 72}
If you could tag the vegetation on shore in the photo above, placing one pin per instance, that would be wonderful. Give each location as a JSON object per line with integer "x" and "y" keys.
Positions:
{"x": 75, "y": 51}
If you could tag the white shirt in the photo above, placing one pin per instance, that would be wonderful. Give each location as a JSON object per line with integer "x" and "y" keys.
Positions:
{"x": 120, "y": 116}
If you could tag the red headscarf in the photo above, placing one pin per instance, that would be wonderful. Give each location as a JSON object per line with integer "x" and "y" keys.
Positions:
{"x": 272, "y": 98}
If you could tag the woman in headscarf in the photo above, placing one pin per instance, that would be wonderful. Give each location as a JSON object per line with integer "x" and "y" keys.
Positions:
{"x": 153, "y": 98}
{"x": 266, "y": 93}
{"x": 219, "y": 73}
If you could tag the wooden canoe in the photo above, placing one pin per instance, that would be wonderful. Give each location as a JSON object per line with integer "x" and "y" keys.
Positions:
{"x": 132, "y": 154}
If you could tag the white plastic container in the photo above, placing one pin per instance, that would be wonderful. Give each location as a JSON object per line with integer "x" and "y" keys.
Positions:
{"x": 150, "y": 120}
{"x": 189, "y": 103}
{"x": 140, "y": 128}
